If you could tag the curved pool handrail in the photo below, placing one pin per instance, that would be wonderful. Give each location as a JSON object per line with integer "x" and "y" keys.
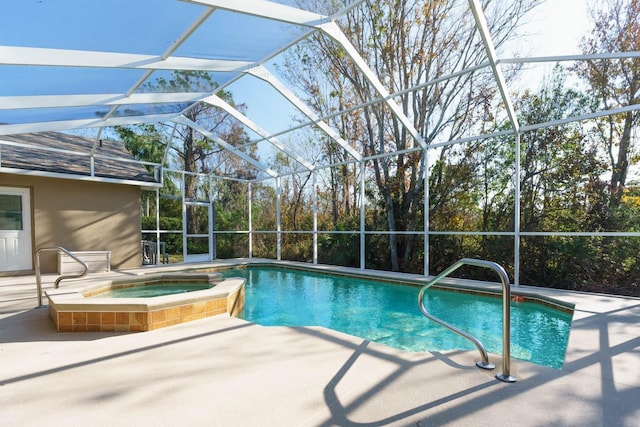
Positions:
{"x": 506, "y": 315}
{"x": 59, "y": 279}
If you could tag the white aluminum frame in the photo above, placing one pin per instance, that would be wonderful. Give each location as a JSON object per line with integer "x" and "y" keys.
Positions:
{"x": 313, "y": 22}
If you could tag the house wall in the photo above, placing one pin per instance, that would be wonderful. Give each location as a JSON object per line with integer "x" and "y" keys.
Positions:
{"x": 82, "y": 216}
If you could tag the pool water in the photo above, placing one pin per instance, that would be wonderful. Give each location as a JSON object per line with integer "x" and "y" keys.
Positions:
{"x": 151, "y": 290}
{"x": 388, "y": 313}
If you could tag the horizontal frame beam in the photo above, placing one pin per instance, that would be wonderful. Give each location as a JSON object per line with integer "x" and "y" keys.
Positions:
{"x": 59, "y": 101}
{"x": 12, "y": 55}
{"x": 267, "y": 10}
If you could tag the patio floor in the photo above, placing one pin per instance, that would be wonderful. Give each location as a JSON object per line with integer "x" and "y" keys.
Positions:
{"x": 223, "y": 371}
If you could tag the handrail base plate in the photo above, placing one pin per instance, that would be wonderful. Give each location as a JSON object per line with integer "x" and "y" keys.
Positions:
{"x": 506, "y": 378}
{"x": 487, "y": 366}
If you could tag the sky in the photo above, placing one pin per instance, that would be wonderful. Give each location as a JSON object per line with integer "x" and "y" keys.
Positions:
{"x": 554, "y": 28}
{"x": 558, "y": 25}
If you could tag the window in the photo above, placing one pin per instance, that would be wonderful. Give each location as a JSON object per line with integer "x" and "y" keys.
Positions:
{"x": 10, "y": 212}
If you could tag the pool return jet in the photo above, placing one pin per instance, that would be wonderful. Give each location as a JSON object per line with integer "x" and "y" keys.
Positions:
{"x": 505, "y": 376}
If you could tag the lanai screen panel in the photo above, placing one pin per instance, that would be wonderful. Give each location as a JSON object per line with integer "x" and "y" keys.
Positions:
{"x": 70, "y": 64}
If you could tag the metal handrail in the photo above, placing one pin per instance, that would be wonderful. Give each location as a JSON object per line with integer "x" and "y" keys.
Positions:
{"x": 59, "y": 279}
{"x": 506, "y": 315}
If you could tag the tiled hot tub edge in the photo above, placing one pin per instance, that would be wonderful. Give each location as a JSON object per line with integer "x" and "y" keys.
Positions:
{"x": 71, "y": 311}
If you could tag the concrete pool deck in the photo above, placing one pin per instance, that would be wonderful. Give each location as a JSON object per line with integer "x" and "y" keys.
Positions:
{"x": 223, "y": 371}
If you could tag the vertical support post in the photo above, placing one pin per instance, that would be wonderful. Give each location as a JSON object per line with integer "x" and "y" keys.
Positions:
{"x": 158, "y": 223}
{"x": 211, "y": 256}
{"x": 211, "y": 216}
{"x": 516, "y": 219}
{"x": 315, "y": 218}
{"x": 278, "y": 219}
{"x": 214, "y": 234}
{"x": 184, "y": 217}
{"x": 362, "y": 218}
{"x": 426, "y": 211}
{"x": 92, "y": 159}
{"x": 250, "y": 201}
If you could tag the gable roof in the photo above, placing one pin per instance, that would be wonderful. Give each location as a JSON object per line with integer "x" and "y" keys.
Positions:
{"x": 62, "y": 155}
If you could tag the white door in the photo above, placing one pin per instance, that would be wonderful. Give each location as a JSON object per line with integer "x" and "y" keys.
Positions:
{"x": 197, "y": 243}
{"x": 15, "y": 229}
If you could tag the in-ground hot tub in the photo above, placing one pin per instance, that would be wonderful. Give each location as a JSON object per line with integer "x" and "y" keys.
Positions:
{"x": 80, "y": 308}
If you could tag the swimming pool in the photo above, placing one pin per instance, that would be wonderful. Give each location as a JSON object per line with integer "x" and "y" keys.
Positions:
{"x": 388, "y": 313}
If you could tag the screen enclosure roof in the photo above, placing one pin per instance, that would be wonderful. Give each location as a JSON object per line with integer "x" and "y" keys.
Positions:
{"x": 77, "y": 64}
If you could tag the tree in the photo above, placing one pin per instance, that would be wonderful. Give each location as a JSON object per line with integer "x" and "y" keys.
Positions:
{"x": 145, "y": 144}
{"x": 558, "y": 162}
{"x": 562, "y": 190}
{"x": 195, "y": 153}
{"x": 406, "y": 43}
{"x": 615, "y": 83}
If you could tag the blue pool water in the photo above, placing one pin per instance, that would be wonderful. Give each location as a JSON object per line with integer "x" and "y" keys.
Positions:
{"x": 389, "y": 314}
{"x": 151, "y": 290}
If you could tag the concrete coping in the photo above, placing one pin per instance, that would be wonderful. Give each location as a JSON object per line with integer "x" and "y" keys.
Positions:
{"x": 448, "y": 283}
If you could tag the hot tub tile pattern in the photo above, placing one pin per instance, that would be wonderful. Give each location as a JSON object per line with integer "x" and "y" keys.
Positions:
{"x": 72, "y": 312}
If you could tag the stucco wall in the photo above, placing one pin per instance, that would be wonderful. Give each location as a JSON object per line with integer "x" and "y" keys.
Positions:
{"x": 83, "y": 216}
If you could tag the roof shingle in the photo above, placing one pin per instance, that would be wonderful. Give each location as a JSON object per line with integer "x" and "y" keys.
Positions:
{"x": 61, "y": 153}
